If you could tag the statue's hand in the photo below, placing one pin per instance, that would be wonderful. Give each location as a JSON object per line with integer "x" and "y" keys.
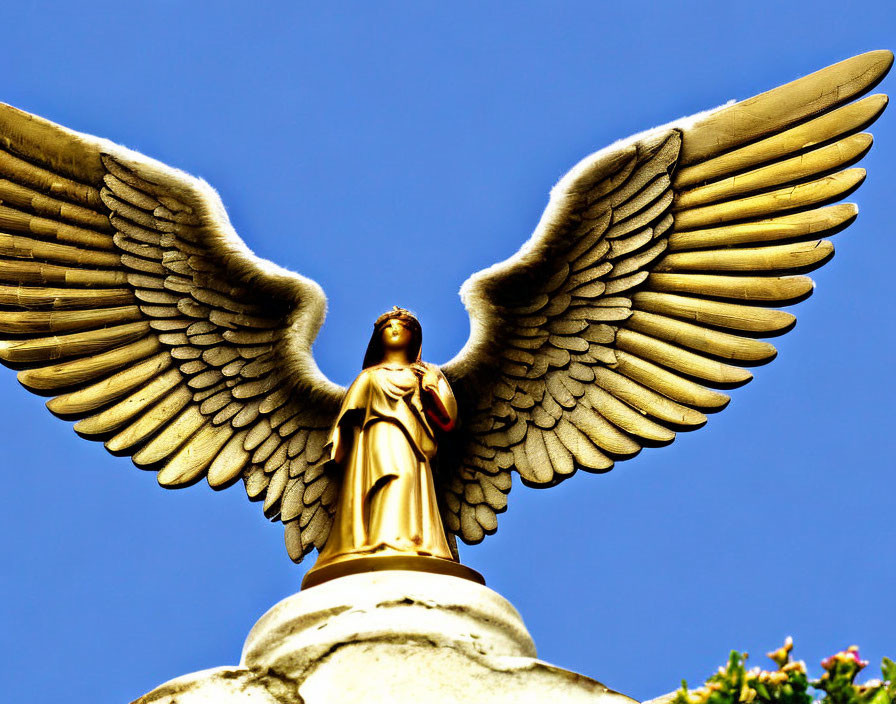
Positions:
{"x": 429, "y": 379}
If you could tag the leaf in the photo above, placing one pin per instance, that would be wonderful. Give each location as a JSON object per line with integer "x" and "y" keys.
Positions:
{"x": 888, "y": 669}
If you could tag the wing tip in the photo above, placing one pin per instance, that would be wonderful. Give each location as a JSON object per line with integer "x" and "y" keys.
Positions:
{"x": 36, "y": 383}
{"x": 874, "y": 65}
{"x": 59, "y": 408}
{"x": 885, "y": 56}
{"x": 118, "y": 447}
{"x": 786, "y": 105}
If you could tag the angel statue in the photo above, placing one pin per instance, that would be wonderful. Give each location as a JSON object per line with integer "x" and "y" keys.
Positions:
{"x": 660, "y": 262}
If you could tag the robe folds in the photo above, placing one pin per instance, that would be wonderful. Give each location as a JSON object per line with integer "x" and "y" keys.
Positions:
{"x": 384, "y": 440}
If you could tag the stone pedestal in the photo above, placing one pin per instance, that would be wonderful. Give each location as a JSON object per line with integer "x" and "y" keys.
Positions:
{"x": 394, "y": 636}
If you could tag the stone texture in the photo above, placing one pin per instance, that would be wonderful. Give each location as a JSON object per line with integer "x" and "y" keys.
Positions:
{"x": 392, "y": 636}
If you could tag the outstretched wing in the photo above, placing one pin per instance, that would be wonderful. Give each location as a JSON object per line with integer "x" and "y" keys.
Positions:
{"x": 644, "y": 289}
{"x": 126, "y": 295}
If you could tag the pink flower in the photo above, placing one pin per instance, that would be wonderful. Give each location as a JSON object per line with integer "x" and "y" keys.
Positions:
{"x": 850, "y": 655}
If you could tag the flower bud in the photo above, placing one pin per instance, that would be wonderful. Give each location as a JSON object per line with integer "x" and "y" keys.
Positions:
{"x": 781, "y": 656}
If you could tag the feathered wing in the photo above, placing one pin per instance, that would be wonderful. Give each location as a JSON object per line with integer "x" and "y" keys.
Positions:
{"x": 126, "y": 295}
{"x": 652, "y": 273}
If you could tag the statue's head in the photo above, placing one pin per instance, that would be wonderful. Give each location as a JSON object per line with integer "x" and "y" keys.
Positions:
{"x": 396, "y": 329}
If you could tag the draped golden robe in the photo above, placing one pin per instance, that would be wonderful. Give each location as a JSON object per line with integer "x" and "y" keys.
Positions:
{"x": 384, "y": 439}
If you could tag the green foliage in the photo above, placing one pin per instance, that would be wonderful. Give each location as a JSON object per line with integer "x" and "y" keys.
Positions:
{"x": 790, "y": 684}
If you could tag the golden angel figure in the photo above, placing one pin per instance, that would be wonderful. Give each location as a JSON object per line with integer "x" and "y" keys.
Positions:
{"x": 384, "y": 438}
{"x": 642, "y": 295}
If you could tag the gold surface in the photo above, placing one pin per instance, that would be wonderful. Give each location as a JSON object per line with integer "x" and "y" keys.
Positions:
{"x": 415, "y": 563}
{"x": 700, "y": 338}
{"x": 834, "y": 124}
{"x": 99, "y": 394}
{"x": 127, "y": 297}
{"x": 802, "y": 195}
{"x": 715, "y": 313}
{"x": 801, "y": 255}
{"x": 746, "y": 288}
{"x": 784, "y": 227}
{"x": 805, "y": 165}
{"x": 75, "y": 344}
{"x": 784, "y": 106}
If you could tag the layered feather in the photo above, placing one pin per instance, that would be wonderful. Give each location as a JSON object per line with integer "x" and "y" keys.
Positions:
{"x": 126, "y": 295}
{"x": 656, "y": 266}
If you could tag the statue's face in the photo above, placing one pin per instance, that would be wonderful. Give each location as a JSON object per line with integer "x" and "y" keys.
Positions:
{"x": 396, "y": 335}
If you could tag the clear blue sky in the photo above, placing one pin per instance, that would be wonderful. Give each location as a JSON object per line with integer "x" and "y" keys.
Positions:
{"x": 388, "y": 153}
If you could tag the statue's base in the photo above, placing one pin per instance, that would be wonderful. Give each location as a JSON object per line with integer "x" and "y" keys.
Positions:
{"x": 380, "y": 563}
{"x": 389, "y": 636}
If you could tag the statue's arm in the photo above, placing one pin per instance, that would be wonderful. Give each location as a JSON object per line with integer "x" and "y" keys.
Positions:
{"x": 337, "y": 447}
{"x": 441, "y": 405}
{"x": 342, "y": 434}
